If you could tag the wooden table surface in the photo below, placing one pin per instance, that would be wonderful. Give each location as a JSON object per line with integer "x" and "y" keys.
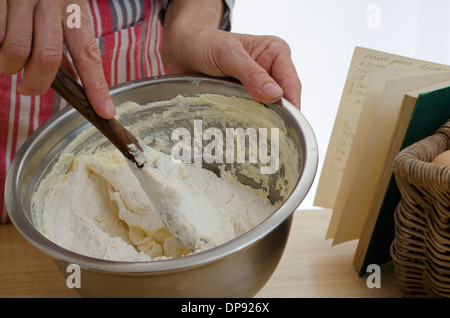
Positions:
{"x": 310, "y": 267}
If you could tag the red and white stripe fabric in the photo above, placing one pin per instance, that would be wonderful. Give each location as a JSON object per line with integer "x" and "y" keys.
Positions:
{"x": 129, "y": 34}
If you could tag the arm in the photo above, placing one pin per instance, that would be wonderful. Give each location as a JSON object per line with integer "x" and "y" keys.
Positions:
{"x": 192, "y": 43}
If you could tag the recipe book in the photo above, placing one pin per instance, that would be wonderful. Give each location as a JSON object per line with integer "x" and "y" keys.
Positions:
{"x": 376, "y": 107}
{"x": 428, "y": 109}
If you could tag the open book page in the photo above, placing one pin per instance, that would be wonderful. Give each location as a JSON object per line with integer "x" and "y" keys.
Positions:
{"x": 383, "y": 206}
{"x": 374, "y": 90}
{"x": 373, "y": 160}
{"x": 363, "y": 62}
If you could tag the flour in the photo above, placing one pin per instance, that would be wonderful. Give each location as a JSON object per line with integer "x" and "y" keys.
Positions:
{"x": 96, "y": 203}
{"x": 200, "y": 209}
{"x": 100, "y": 209}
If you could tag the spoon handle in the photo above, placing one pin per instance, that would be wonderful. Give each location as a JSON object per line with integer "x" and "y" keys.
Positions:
{"x": 69, "y": 89}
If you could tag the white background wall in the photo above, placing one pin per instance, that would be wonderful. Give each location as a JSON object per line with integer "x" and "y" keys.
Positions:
{"x": 322, "y": 35}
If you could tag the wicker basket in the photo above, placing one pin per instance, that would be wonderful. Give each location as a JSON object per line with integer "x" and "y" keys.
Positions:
{"x": 421, "y": 247}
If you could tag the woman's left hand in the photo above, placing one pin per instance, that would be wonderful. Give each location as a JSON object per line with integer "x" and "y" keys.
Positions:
{"x": 262, "y": 63}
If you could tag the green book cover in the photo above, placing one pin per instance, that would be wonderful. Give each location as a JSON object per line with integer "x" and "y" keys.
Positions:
{"x": 432, "y": 110}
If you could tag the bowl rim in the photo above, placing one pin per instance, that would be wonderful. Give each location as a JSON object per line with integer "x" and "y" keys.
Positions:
{"x": 33, "y": 236}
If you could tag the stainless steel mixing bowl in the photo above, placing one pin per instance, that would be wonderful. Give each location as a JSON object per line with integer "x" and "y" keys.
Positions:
{"x": 239, "y": 268}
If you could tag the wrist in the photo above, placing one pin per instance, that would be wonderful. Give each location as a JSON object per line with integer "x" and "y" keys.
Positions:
{"x": 184, "y": 24}
{"x": 208, "y": 13}
{"x": 183, "y": 17}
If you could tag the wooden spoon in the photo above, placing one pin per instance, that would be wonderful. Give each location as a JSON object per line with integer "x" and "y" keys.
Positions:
{"x": 69, "y": 89}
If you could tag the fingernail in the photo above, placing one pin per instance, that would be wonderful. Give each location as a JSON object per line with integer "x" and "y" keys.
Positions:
{"x": 110, "y": 109}
{"x": 271, "y": 90}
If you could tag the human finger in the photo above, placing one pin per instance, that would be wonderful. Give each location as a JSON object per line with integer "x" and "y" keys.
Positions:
{"x": 46, "y": 54}
{"x": 3, "y": 19}
{"x": 284, "y": 73}
{"x": 274, "y": 55}
{"x": 235, "y": 61}
{"x": 86, "y": 56}
{"x": 16, "y": 46}
{"x": 67, "y": 64}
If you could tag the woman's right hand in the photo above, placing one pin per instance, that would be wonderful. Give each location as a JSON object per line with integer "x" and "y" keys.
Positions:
{"x": 31, "y": 39}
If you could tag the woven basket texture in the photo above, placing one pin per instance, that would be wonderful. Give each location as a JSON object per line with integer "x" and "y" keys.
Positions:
{"x": 421, "y": 247}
